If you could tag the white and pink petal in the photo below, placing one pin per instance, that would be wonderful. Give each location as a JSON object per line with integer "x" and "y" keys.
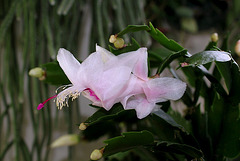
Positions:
{"x": 69, "y": 64}
{"x": 162, "y": 89}
{"x": 142, "y": 106}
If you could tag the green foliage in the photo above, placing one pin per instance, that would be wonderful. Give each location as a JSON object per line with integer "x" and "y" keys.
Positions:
{"x": 116, "y": 111}
{"x": 127, "y": 141}
{"x": 208, "y": 57}
{"x": 187, "y": 150}
{"x": 212, "y": 134}
{"x": 54, "y": 74}
{"x": 32, "y": 31}
{"x": 155, "y": 34}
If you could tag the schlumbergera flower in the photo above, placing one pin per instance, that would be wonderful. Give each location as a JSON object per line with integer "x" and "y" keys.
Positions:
{"x": 107, "y": 79}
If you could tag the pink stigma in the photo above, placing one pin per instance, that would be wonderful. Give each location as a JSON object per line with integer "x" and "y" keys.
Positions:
{"x": 41, "y": 105}
{"x": 92, "y": 93}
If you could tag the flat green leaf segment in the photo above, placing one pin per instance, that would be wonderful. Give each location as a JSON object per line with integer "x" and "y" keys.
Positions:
{"x": 179, "y": 148}
{"x": 133, "y": 28}
{"x": 103, "y": 115}
{"x": 161, "y": 114}
{"x": 155, "y": 34}
{"x": 127, "y": 141}
{"x": 55, "y": 74}
{"x": 207, "y": 57}
{"x": 169, "y": 59}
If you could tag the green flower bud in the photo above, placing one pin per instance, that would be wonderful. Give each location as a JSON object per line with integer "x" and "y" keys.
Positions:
{"x": 237, "y": 48}
{"x": 119, "y": 43}
{"x": 66, "y": 140}
{"x": 214, "y": 37}
{"x": 96, "y": 154}
{"x": 36, "y": 72}
{"x": 112, "y": 39}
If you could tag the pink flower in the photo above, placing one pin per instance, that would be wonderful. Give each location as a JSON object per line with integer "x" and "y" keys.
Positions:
{"x": 102, "y": 77}
{"x": 146, "y": 94}
{"x": 106, "y": 79}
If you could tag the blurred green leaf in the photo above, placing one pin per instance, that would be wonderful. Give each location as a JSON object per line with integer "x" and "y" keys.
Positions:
{"x": 161, "y": 114}
{"x": 184, "y": 12}
{"x": 207, "y": 57}
{"x": 159, "y": 53}
{"x": 55, "y": 74}
{"x": 224, "y": 69}
{"x": 229, "y": 141}
{"x": 234, "y": 93}
{"x": 215, "y": 115}
{"x": 184, "y": 149}
{"x": 215, "y": 83}
{"x": 115, "y": 112}
{"x": 169, "y": 59}
{"x": 119, "y": 156}
{"x": 180, "y": 119}
{"x": 98, "y": 130}
{"x": 164, "y": 105}
{"x": 211, "y": 46}
{"x": 127, "y": 141}
{"x": 189, "y": 24}
{"x": 133, "y": 28}
{"x": 163, "y": 40}
{"x": 4, "y": 25}
{"x": 167, "y": 129}
{"x": 191, "y": 75}
{"x": 154, "y": 33}
{"x": 5, "y": 150}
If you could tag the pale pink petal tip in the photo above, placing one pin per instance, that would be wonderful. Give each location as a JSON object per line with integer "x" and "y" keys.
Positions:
{"x": 40, "y": 106}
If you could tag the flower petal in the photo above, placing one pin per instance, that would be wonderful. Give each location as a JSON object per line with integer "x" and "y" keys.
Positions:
{"x": 141, "y": 105}
{"x": 162, "y": 89}
{"x": 137, "y": 61}
{"x": 141, "y": 67}
{"x": 93, "y": 64}
{"x": 134, "y": 87}
{"x": 111, "y": 84}
{"x": 105, "y": 54}
{"x": 69, "y": 64}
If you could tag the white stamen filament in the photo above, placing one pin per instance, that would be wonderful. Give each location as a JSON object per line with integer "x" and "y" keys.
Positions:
{"x": 62, "y": 98}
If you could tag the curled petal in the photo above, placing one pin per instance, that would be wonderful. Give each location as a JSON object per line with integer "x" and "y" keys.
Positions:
{"x": 88, "y": 93}
{"x": 141, "y": 105}
{"x": 162, "y": 89}
{"x": 134, "y": 87}
{"x": 69, "y": 64}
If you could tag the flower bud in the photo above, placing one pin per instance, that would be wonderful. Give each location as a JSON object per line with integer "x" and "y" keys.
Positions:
{"x": 82, "y": 126}
{"x": 112, "y": 39}
{"x": 214, "y": 37}
{"x": 119, "y": 43}
{"x": 66, "y": 140}
{"x": 36, "y": 72}
{"x": 237, "y": 48}
{"x": 184, "y": 64}
{"x": 96, "y": 154}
